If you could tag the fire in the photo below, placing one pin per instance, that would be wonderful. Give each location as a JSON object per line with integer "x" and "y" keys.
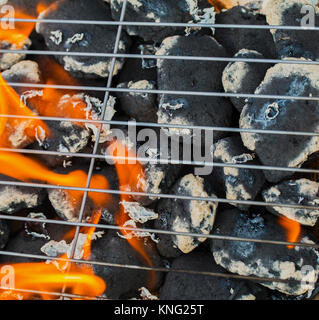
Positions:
{"x": 292, "y": 228}
{"x": 57, "y": 102}
{"x": 219, "y": 5}
{"x": 17, "y": 33}
{"x": 27, "y": 169}
{"x": 45, "y": 278}
{"x": 11, "y": 104}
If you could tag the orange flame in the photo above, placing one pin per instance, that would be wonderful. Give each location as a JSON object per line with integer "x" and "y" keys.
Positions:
{"x": 292, "y": 228}
{"x": 11, "y": 104}
{"x": 129, "y": 174}
{"x": 46, "y": 278}
{"x": 220, "y": 5}
{"x": 19, "y": 32}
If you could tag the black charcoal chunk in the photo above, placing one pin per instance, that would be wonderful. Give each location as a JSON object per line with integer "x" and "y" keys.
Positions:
{"x": 298, "y": 264}
{"x": 285, "y": 115}
{"x": 86, "y": 39}
{"x": 184, "y": 286}
{"x": 15, "y": 198}
{"x": 123, "y": 283}
{"x": 293, "y": 43}
{"x": 243, "y": 77}
{"x": 192, "y": 76}
{"x": 182, "y": 215}
{"x": 237, "y": 183}
{"x": 32, "y": 244}
{"x": 155, "y": 11}
{"x": 234, "y": 39}
{"x": 140, "y": 106}
{"x": 4, "y": 233}
{"x": 296, "y": 192}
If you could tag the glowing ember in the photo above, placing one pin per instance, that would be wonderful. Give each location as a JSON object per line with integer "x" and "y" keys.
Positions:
{"x": 219, "y": 5}
{"x": 10, "y": 104}
{"x": 292, "y": 229}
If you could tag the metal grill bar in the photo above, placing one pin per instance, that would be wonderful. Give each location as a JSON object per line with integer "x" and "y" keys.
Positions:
{"x": 158, "y": 195}
{"x": 165, "y": 125}
{"x": 135, "y": 267}
{"x": 158, "y": 57}
{"x": 170, "y": 92}
{"x": 94, "y": 156}
{"x": 157, "y": 231}
{"x": 165, "y": 24}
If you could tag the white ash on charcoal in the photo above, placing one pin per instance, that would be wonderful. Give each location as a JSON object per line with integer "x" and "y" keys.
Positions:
{"x": 299, "y": 265}
{"x": 124, "y": 283}
{"x": 4, "y": 233}
{"x": 252, "y": 39}
{"x": 37, "y": 229}
{"x": 182, "y": 11}
{"x": 7, "y": 60}
{"x": 283, "y": 114}
{"x": 236, "y": 183}
{"x": 32, "y": 238}
{"x": 184, "y": 286}
{"x": 65, "y": 205}
{"x": 78, "y": 38}
{"x": 299, "y": 192}
{"x": 139, "y": 106}
{"x": 72, "y": 137}
{"x": 16, "y": 198}
{"x": 181, "y": 215}
{"x": 192, "y": 76}
{"x": 293, "y": 43}
{"x": 243, "y": 77}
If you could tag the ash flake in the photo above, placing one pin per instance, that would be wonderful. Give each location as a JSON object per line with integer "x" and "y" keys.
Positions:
{"x": 56, "y": 37}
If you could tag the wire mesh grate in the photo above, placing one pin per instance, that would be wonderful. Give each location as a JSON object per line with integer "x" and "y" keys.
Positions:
{"x": 96, "y": 156}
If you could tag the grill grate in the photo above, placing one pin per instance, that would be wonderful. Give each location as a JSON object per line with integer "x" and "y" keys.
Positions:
{"x": 95, "y": 156}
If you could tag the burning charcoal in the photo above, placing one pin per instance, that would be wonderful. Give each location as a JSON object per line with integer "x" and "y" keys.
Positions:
{"x": 155, "y": 178}
{"x": 292, "y": 43}
{"x": 68, "y": 209}
{"x": 154, "y": 11}
{"x": 123, "y": 283}
{"x": 76, "y": 38}
{"x": 281, "y": 114}
{"x": 195, "y": 75}
{"x": 140, "y": 106}
{"x": 7, "y": 60}
{"x": 36, "y": 229}
{"x": 252, "y": 39}
{"x": 16, "y": 198}
{"x": 239, "y": 184}
{"x": 184, "y": 286}
{"x": 181, "y": 215}
{"x": 4, "y": 233}
{"x": 298, "y": 264}
{"x": 243, "y": 77}
{"x": 299, "y": 192}
{"x": 26, "y": 242}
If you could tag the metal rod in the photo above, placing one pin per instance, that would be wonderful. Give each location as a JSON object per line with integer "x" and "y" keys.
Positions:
{"x": 157, "y": 231}
{"x": 135, "y": 267}
{"x": 164, "y": 24}
{"x": 157, "y": 57}
{"x": 165, "y": 125}
{"x": 168, "y": 92}
{"x": 160, "y": 195}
